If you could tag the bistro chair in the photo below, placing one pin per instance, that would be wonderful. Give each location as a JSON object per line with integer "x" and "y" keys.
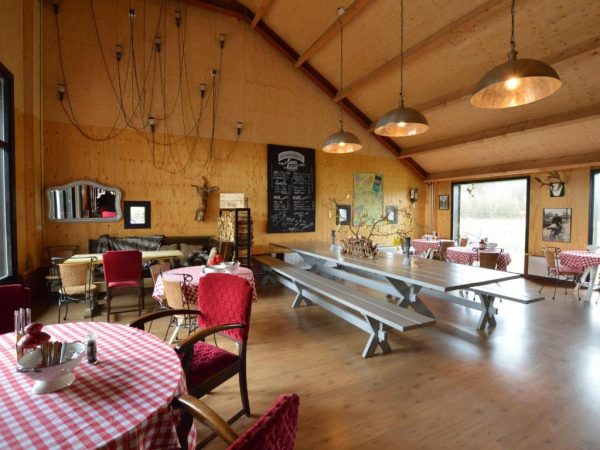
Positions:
{"x": 175, "y": 293}
{"x": 123, "y": 269}
{"x": 463, "y": 241}
{"x": 54, "y": 255}
{"x": 76, "y": 285}
{"x": 274, "y": 430}
{"x": 157, "y": 270}
{"x": 489, "y": 260}
{"x": 12, "y": 297}
{"x": 560, "y": 272}
{"x": 440, "y": 253}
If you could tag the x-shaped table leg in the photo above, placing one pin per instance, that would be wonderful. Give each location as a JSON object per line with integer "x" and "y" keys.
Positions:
{"x": 378, "y": 337}
{"x": 408, "y": 295}
{"x": 488, "y": 312}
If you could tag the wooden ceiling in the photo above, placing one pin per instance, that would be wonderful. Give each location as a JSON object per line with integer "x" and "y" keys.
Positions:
{"x": 449, "y": 46}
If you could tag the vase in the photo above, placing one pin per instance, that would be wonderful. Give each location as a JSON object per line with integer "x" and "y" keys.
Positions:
{"x": 406, "y": 250}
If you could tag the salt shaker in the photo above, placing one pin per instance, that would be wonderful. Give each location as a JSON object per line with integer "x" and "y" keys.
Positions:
{"x": 91, "y": 348}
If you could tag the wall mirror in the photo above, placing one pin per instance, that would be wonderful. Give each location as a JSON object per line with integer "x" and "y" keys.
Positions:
{"x": 84, "y": 201}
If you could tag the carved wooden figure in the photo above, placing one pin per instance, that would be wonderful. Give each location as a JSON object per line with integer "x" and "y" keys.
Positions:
{"x": 203, "y": 192}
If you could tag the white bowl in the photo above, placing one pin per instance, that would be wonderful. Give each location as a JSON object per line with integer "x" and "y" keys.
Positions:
{"x": 491, "y": 245}
{"x": 53, "y": 378}
{"x": 231, "y": 266}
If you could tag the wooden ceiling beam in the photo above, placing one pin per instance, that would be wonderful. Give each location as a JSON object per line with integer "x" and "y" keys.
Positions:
{"x": 505, "y": 130}
{"x": 235, "y": 9}
{"x": 519, "y": 168}
{"x": 426, "y": 45}
{"x": 467, "y": 91}
{"x": 263, "y": 9}
{"x": 319, "y": 43}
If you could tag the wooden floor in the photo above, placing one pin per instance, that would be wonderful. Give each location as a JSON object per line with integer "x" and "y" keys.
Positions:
{"x": 532, "y": 382}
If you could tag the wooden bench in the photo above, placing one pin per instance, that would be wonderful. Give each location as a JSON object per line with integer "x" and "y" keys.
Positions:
{"x": 373, "y": 315}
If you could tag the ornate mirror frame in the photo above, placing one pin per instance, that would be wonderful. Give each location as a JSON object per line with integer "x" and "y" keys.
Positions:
{"x": 77, "y": 212}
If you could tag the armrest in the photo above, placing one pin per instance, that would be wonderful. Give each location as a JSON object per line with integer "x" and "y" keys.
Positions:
{"x": 140, "y": 321}
{"x": 202, "y": 334}
{"x": 202, "y": 412}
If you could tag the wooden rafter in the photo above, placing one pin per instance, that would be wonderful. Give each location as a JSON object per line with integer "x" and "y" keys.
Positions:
{"x": 351, "y": 12}
{"x": 235, "y": 9}
{"x": 504, "y": 130}
{"x": 262, "y": 11}
{"x": 519, "y": 168}
{"x": 466, "y": 92}
{"x": 426, "y": 45}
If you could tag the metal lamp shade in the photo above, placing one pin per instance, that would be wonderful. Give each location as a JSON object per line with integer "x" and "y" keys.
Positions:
{"x": 402, "y": 122}
{"x": 514, "y": 83}
{"x": 341, "y": 142}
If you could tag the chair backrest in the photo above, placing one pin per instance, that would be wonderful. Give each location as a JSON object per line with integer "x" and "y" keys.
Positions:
{"x": 12, "y": 297}
{"x": 122, "y": 265}
{"x": 225, "y": 298}
{"x": 463, "y": 242}
{"x": 60, "y": 251}
{"x": 276, "y": 428}
{"x": 75, "y": 274}
{"x": 488, "y": 260}
{"x": 175, "y": 292}
{"x": 443, "y": 247}
{"x": 551, "y": 254}
{"x": 157, "y": 269}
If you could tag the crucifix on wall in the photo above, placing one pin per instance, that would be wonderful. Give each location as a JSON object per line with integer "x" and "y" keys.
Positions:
{"x": 203, "y": 192}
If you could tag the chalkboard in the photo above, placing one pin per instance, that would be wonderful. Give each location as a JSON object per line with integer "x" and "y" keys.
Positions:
{"x": 291, "y": 189}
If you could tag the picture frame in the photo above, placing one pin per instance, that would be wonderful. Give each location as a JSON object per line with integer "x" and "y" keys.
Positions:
{"x": 138, "y": 214}
{"x": 444, "y": 202}
{"x": 391, "y": 214}
{"x": 343, "y": 215}
{"x": 556, "y": 226}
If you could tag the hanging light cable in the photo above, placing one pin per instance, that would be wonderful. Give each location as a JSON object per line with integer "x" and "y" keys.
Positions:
{"x": 342, "y": 141}
{"x": 402, "y": 121}
{"x": 517, "y": 81}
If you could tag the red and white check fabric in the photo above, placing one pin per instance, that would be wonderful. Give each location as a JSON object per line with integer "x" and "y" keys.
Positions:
{"x": 421, "y": 245}
{"x": 191, "y": 288}
{"x": 466, "y": 255}
{"x": 579, "y": 259}
{"x": 123, "y": 402}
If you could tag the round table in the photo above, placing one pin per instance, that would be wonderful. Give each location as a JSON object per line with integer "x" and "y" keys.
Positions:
{"x": 585, "y": 261}
{"x": 422, "y": 245}
{"x": 197, "y": 272}
{"x": 123, "y": 401}
{"x": 467, "y": 255}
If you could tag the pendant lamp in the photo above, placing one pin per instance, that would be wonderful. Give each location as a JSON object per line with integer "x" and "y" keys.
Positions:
{"x": 342, "y": 141}
{"x": 517, "y": 81}
{"x": 402, "y": 121}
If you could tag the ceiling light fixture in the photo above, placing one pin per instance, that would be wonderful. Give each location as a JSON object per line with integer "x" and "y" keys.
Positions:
{"x": 342, "y": 141}
{"x": 517, "y": 81}
{"x": 402, "y": 121}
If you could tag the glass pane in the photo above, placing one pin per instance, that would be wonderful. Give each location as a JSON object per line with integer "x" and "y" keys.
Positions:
{"x": 495, "y": 210}
{"x": 596, "y": 210}
{"x": 3, "y": 111}
{"x": 5, "y": 251}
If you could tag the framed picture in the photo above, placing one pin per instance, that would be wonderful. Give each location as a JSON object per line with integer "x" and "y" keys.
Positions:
{"x": 137, "y": 214}
{"x": 391, "y": 214}
{"x": 343, "y": 214}
{"x": 444, "y": 202}
{"x": 557, "y": 225}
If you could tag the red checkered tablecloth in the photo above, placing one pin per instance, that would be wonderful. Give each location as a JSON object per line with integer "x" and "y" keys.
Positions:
{"x": 466, "y": 255}
{"x": 123, "y": 402}
{"x": 579, "y": 259}
{"x": 197, "y": 272}
{"x": 421, "y": 245}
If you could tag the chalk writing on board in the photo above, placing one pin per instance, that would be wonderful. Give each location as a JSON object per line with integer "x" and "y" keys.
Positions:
{"x": 291, "y": 173}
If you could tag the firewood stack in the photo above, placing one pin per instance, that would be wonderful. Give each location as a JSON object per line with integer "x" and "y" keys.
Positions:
{"x": 359, "y": 246}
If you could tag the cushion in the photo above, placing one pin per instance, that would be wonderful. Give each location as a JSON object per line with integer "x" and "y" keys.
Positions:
{"x": 118, "y": 284}
{"x": 169, "y": 247}
{"x": 207, "y": 361}
{"x": 190, "y": 251}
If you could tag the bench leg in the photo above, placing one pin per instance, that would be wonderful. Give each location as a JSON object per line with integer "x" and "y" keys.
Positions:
{"x": 377, "y": 338}
{"x": 487, "y": 314}
{"x": 299, "y": 297}
{"x": 408, "y": 297}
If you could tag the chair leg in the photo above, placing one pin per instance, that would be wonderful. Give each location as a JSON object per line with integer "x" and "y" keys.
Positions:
{"x": 244, "y": 390}
{"x": 177, "y": 328}
{"x": 59, "y": 305}
{"x": 108, "y": 298}
{"x": 66, "y": 310}
{"x": 555, "y": 288}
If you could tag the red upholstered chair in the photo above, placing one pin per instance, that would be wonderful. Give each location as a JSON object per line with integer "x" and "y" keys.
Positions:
{"x": 12, "y": 297}
{"x": 123, "y": 269}
{"x": 274, "y": 430}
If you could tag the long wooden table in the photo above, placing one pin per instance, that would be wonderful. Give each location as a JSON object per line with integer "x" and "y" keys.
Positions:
{"x": 391, "y": 274}
{"x": 96, "y": 258}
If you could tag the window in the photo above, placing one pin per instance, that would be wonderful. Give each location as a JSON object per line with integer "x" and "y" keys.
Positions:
{"x": 595, "y": 209}
{"x": 7, "y": 249}
{"x": 496, "y": 210}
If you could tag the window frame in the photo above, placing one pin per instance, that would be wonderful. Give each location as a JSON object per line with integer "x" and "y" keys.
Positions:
{"x": 9, "y": 146}
{"x": 591, "y": 217}
{"x": 491, "y": 180}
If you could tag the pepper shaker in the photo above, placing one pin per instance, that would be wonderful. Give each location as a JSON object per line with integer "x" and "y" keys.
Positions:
{"x": 91, "y": 348}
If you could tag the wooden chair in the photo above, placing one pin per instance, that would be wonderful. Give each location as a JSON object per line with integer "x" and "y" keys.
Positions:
{"x": 560, "y": 272}
{"x": 488, "y": 260}
{"x": 123, "y": 269}
{"x": 463, "y": 242}
{"x": 12, "y": 297}
{"x": 440, "y": 253}
{"x": 274, "y": 430}
{"x": 76, "y": 285}
{"x": 157, "y": 269}
{"x": 175, "y": 294}
{"x": 54, "y": 255}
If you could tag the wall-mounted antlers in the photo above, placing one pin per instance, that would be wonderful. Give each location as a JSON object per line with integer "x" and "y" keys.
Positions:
{"x": 550, "y": 179}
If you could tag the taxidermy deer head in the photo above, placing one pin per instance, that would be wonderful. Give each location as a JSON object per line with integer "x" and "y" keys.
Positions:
{"x": 554, "y": 181}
